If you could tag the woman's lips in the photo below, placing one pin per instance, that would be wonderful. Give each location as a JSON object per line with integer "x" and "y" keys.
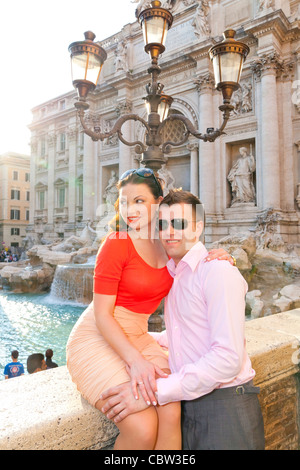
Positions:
{"x": 133, "y": 219}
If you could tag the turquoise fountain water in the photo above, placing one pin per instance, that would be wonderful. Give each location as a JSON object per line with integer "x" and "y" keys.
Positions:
{"x": 34, "y": 323}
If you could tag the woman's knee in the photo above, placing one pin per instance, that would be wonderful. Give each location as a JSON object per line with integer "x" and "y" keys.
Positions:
{"x": 143, "y": 428}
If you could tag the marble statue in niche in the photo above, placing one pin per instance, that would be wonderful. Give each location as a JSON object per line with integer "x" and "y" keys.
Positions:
{"x": 111, "y": 192}
{"x": 168, "y": 179}
{"x": 200, "y": 22}
{"x": 121, "y": 59}
{"x": 241, "y": 178}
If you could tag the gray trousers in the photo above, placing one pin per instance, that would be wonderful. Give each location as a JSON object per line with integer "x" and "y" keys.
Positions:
{"x": 225, "y": 419}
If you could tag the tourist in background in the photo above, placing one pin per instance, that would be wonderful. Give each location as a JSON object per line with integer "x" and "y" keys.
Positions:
{"x": 50, "y": 364}
{"x": 36, "y": 363}
{"x": 14, "y": 368}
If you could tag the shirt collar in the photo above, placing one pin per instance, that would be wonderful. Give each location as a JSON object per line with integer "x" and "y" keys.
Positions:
{"x": 193, "y": 257}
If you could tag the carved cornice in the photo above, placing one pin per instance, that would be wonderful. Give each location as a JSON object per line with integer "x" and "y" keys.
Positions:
{"x": 52, "y": 139}
{"x": 267, "y": 64}
{"x": 123, "y": 107}
{"x": 205, "y": 82}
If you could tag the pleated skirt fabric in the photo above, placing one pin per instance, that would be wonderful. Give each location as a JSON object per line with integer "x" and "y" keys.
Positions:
{"x": 94, "y": 365}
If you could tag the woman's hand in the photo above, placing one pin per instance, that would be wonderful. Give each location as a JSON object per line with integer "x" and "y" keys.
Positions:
{"x": 143, "y": 376}
{"x": 221, "y": 254}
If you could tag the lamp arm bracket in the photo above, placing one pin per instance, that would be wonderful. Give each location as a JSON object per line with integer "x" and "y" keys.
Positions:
{"x": 190, "y": 129}
{"x": 140, "y": 147}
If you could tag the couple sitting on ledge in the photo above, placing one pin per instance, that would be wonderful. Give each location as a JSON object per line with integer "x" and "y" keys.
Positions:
{"x": 191, "y": 386}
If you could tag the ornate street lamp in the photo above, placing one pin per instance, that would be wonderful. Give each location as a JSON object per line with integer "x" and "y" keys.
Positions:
{"x": 87, "y": 60}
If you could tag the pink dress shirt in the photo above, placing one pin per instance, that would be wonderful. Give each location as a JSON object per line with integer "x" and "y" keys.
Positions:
{"x": 205, "y": 320}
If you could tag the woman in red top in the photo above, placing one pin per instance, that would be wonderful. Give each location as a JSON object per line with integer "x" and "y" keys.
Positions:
{"x": 110, "y": 343}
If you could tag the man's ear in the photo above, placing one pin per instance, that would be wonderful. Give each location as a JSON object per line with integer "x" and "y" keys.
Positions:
{"x": 199, "y": 228}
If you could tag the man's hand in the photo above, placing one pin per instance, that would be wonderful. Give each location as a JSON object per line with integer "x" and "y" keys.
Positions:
{"x": 121, "y": 402}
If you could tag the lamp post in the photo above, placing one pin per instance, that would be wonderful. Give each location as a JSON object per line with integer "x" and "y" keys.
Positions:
{"x": 88, "y": 57}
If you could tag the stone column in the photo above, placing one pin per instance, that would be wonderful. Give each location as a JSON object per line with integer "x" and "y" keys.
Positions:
{"x": 72, "y": 144}
{"x": 34, "y": 150}
{"x": 125, "y": 160}
{"x": 287, "y": 172}
{"x": 193, "y": 147}
{"x": 205, "y": 85}
{"x": 88, "y": 179}
{"x": 52, "y": 140}
{"x": 266, "y": 68}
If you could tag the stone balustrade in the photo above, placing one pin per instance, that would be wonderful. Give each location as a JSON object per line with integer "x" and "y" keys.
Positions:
{"x": 45, "y": 411}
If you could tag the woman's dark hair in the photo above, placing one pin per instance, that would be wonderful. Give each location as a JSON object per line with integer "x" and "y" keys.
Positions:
{"x": 117, "y": 224}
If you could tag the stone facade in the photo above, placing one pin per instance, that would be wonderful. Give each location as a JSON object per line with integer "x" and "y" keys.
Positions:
{"x": 70, "y": 172}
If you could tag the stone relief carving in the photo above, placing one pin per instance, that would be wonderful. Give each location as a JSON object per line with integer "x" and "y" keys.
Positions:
{"x": 168, "y": 179}
{"x": 241, "y": 178}
{"x": 242, "y": 99}
{"x": 200, "y": 22}
{"x": 167, "y": 4}
{"x": 187, "y": 3}
{"x": 113, "y": 139}
{"x": 266, "y": 230}
{"x": 265, "y": 4}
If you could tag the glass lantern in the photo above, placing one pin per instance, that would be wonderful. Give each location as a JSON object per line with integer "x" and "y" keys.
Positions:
{"x": 155, "y": 22}
{"x": 228, "y": 58}
{"x": 87, "y": 59}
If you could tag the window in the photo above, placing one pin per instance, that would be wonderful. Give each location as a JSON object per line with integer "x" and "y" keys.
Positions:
{"x": 27, "y": 195}
{"x": 27, "y": 177}
{"x": 62, "y": 142}
{"x": 15, "y": 214}
{"x": 15, "y": 231}
{"x": 61, "y": 197}
{"x": 42, "y": 200}
{"x": 62, "y": 105}
{"x": 43, "y": 147}
{"x": 15, "y": 194}
{"x": 27, "y": 215}
{"x": 15, "y": 175}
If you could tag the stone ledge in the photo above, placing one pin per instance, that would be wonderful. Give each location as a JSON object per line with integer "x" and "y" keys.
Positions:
{"x": 46, "y": 412}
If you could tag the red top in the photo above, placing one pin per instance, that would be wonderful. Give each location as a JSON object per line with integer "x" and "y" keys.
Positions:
{"x": 121, "y": 271}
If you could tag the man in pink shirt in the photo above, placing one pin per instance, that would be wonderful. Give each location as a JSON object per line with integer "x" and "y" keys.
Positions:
{"x": 205, "y": 317}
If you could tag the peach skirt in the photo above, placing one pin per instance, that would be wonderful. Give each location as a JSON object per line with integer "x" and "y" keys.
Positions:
{"x": 93, "y": 364}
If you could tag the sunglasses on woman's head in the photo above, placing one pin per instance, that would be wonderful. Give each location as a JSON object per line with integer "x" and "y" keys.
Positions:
{"x": 177, "y": 224}
{"x": 144, "y": 173}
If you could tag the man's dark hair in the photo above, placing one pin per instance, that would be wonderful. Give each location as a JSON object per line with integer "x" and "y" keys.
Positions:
{"x": 34, "y": 362}
{"x": 177, "y": 196}
{"x": 15, "y": 354}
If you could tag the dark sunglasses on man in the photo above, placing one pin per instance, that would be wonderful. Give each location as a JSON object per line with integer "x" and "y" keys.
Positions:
{"x": 177, "y": 224}
{"x": 143, "y": 173}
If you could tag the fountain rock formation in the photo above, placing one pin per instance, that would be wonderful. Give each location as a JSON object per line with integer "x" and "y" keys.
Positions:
{"x": 37, "y": 273}
{"x": 272, "y": 271}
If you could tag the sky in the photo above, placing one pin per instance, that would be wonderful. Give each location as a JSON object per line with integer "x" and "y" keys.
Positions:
{"x": 35, "y": 62}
